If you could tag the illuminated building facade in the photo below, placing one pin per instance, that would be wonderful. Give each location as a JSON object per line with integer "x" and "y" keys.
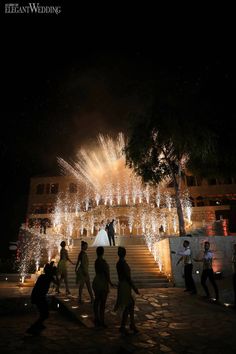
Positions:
{"x": 212, "y": 200}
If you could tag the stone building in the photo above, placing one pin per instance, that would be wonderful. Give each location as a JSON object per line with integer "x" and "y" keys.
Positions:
{"x": 213, "y": 202}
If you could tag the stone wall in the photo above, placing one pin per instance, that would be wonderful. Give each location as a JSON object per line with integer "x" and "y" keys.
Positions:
{"x": 221, "y": 246}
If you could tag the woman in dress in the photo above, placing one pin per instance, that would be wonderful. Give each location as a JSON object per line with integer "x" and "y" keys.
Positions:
{"x": 125, "y": 300}
{"x": 101, "y": 284}
{"x": 102, "y": 238}
{"x": 82, "y": 273}
{"x": 62, "y": 268}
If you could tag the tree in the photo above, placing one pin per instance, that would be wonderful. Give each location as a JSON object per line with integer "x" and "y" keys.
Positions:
{"x": 189, "y": 123}
{"x": 160, "y": 144}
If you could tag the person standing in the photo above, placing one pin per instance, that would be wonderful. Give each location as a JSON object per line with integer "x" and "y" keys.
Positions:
{"x": 111, "y": 232}
{"x": 82, "y": 273}
{"x": 54, "y": 272}
{"x": 234, "y": 272}
{"x": 107, "y": 224}
{"x": 38, "y": 297}
{"x": 207, "y": 271}
{"x": 100, "y": 286}
{"x": 186, "y": 257}
{"x": 125, "y": 300}
{"x": 62, "y": 267}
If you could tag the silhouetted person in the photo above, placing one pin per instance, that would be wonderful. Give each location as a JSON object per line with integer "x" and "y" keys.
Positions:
{"x": 111, "y": 232}
{"x": 38, "y": 297}
{"x": 107, "y": 225}
{"x": 43, "y": 226}
{"x": 62, "y": 267}
{"x": 82, "y": 273}
{"x": 161, "y": 230}
{"x": 234, "y": 272}
{"x": 125, "y": 300}
{"x": 100, "y": 287}
{"x": 54, "y": 275}
{"x": 207, "y": 271}
{"x": 186, "y": 257}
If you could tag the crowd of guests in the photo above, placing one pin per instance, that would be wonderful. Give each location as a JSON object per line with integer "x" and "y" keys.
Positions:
{"x": 98, "y": 291}
{"x": 100, "y": 285}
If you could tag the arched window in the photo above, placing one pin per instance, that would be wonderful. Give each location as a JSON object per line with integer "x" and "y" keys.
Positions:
{"x": 72, "y": 188}
{"x": 40, "y": 189}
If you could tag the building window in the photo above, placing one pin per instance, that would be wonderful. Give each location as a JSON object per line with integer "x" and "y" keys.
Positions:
{"x": 211, "y": 181}
{"x": 214, "y": 202}
{"x": 72, "y": 188}
{"x": 200, "y": 201}
{"x": 39, "y": 209}
{"x": 228, "y": 180}
{"x": 198, "y": 181}
{"x": 51, "y": 210}
{"x": 40, "y": 189}
{"x": 191, "y": 181}
{"x": 52, "y": 188}
{"x": 225, "y": 202}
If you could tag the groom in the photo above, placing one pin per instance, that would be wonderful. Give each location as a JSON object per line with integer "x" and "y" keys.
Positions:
{"x": 111, "y": 232}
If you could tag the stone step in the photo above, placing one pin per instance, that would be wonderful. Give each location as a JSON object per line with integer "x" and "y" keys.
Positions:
{"x": 134, "y": 270}
{"x": 111, "y": 248}
{"x": 128, "y": 247}
{"x": 134, "y": 254}
{"x": 114, "y": 256}
{"x": 135, "y": 279}
{"x": 132, "y": 263}
{"x": 133, "y": 274}
{"x": 144, "y": 270}
{"x": 135, "y": 267}
{"x": 119, "y": 240}
{"x": 140, "y": 285}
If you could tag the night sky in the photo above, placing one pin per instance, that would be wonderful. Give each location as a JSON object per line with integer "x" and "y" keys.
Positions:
{"x": 59, "y": 91}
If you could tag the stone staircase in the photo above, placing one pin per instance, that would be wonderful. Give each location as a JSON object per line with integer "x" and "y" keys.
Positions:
{"x": 144, "y": 270}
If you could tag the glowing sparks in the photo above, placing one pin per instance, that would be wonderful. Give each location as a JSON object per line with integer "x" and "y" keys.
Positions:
{"x": 107, "y": 189}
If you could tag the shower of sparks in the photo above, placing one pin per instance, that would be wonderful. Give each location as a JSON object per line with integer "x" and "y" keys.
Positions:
{"x": 103, "y": 173}
{"x": 104, "y": 177}
{"x": 106, "y": 184}
{"x": 30, "y": 251}
{"x": 107, "y": 189}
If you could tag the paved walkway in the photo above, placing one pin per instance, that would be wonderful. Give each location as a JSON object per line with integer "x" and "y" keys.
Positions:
{"x": 170, "y": 321}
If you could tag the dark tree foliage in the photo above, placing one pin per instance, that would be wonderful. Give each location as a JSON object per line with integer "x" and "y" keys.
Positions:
{"x": 179, "y": 128}
{"x": 157, "y": 152}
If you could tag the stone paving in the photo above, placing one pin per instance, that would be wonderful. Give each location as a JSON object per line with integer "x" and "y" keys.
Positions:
{"x": 170, "y": 321}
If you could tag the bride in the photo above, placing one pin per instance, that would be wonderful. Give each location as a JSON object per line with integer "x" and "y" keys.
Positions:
{"x": 102, "y": 238}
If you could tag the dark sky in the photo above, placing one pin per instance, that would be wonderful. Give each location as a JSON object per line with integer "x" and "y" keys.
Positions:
{"x": 60, "y": 89}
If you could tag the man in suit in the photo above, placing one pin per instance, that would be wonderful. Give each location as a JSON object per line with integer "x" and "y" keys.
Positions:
{"x": 111, "y": 232}
{"x": 107, "y": 225}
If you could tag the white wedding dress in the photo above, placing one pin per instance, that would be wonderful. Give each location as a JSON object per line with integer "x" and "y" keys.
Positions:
{"x": 101, "y": 239}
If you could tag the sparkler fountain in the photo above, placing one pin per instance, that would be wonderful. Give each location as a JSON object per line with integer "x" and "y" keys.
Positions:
{"x": 110, "y": 189}
{"x": 107, "y": 189}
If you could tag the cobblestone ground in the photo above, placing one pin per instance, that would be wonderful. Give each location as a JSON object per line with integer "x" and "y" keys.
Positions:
{"x": 170, "y": 321}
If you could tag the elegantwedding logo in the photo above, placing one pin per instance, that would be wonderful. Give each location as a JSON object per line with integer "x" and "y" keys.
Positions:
{"x": 32, "y": 8}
